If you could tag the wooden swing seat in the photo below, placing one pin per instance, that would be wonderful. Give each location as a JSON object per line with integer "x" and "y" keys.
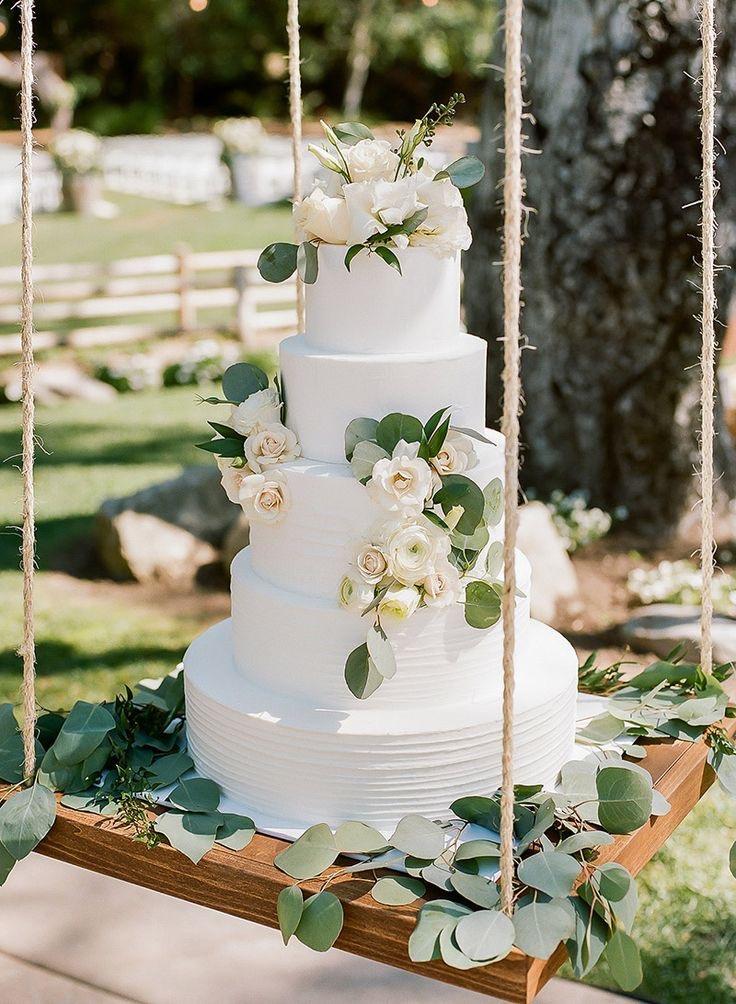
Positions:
{"x": 246, "y": 884}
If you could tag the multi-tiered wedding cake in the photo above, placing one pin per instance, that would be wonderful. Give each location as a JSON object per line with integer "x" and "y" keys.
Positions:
{"x": 359, "y": 676}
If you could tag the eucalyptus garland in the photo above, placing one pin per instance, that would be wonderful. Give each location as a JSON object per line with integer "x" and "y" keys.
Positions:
{"x": 114, "y": 758}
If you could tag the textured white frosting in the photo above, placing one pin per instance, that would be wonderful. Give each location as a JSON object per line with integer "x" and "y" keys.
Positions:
{"x": 296, "y": 647}
{"x": 310, "y": 549}
{"x": 325, "y": 391}
{"x": 290, "y": 764}
{"x": 372, "y": 308}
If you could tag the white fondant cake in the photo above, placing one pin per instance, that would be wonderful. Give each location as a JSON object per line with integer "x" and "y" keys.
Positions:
{"x": 269, "y": 714}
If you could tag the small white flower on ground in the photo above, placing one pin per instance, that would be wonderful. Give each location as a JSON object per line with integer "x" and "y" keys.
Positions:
{"x": 322, "y": 216}
{"x": 371, "y": 563}
{"x": 399, "y": 603}
{"x": 371, "y": 160}
{"x": 442, "y": 587}
{"x": 265, "y": 498}
{"x": 272, "y": 444}
{"x": 259, "y": 409}
{"x": 354, "y": 594}
{"x": 402, "y": 483}
{"x": 415, "y": 550}
{"x": 456, "y": 456}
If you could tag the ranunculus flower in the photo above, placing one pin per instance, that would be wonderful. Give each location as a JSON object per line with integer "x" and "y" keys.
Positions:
{"x": 354, "y": 594}
{"x": 265, "y": 498}
{"x": 259, "y": 409}
{"x": 272, "y": 444}
{"x": 399, "y": 603}
{"x": 371, "y": 563}
{"x": 322, "y": 216}
{"x": 375, "y": 205}
{"x": 402, "y": 483}
{"x": 442, "y": 587}
{"x": 456, "y": 456}
{"x": 371, "y": 160}
{"x": 232, "y": 478}
{"x": 415, "y": 550}
{"x": 445, "y": 230}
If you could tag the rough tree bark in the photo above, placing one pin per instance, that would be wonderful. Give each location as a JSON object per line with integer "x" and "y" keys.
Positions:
{"x": 610, "y": 266}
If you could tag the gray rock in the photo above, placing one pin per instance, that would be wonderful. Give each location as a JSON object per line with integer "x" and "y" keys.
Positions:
{"x": 236, "y": 538}
{"x": 660, "y": 627}
{"x": 140, "y": 546}
{"x": 554, "y": 580}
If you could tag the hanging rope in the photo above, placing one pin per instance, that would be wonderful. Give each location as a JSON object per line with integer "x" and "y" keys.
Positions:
{"x": 295, "y": 112}
{"x": 28, "y": 550}
{"x": 513, "y": 194}
{"x": 707, "y": 359}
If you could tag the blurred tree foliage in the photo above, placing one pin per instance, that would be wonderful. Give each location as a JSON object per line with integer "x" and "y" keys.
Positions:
{"x": 140, "y": 63}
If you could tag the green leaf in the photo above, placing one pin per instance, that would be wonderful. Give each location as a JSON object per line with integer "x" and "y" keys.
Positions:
{"x": 381, "y": 653}
{"x": 601, "y": 729}
{"x": 361, "y": 676}
{"x": 359, "y": 838}
{"x": 197, "y": 794}
{"x": 434, "y": 422}
{"x": 418, "y": 837}
{"x": 482, "y": 604}
{"x": 225, "y": 431}
{"x": 463, "y": 173}
{"x": 235, "y": 832}
{"x": 493, "y": 508}
{"x": 433, "y": 918}
{"x": 54, "y": 775}
{"x": 398, "y": 890}
{"x": 588, "y": 941}
{"x": 321, "y": 922}
{"x": 552, "y": 872}
{"x": 241, "y": 380}
{"x": 96, "y": 761}
{"x": 48, "y": 727}
{"x": 438, "y": 437}
{"x": 541, "y": 926}
{"x": 478, "y": 809}
{"x": 167, "y": 769}
{"x": 277, "y": 262}
{"x": 358, "y": 431}
{"x": 351, "y": 133}
{"x": 664, "y": 672}
{"x": 387, "y": 255}
{"x": 6, "y": 864}
{"x": 351, "y": 253}
{"x": 471, "y": 850}
{"x": 365, "y": 457}
{"x": 308, "y": 856}
{"x": 11, "y": 747}
{"x": 289, "y": 909}
{"x": 476, "y": 889}
{"x": 396, "y": 427}
{"x": 25, "y": 819}
{"x": 622, "y": 955}
{"x": 732, "y": 859}
{"x": 473, "y": 434}
{"x": 82, "y": 732}
{"x": 624, "y": 799}
{"x": 458, "y": 490}
{"x": 230, "y": 448}
{"x": 475, "y": 542}
{"x": 487, "y": 935}
{"x": 450, "y": 952}
{"x": 307, "y": 262}
{"x": 494, "y": 559}
{"x": 189, "y": 832}
{"x": 95, "y": 800}
{"x": 584, "y": 840}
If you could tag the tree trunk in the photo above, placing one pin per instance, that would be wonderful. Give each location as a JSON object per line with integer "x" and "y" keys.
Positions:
{"x": 359, "y": 59}
{"x": 611, "y": 263}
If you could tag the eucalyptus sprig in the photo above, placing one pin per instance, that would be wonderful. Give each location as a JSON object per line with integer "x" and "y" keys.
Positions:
{"x": 423, "y": 132}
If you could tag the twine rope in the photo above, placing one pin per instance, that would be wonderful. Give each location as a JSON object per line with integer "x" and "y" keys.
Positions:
{"x": 28, "y": 548}
{"x": 295, "y": 113}
{"x": 707, "y": 358}
{"x": 513, "y": 194}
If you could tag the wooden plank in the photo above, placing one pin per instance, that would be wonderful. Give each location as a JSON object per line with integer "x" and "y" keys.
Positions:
{"x": 246, "y": 884}
{"x": 146, "y": 265}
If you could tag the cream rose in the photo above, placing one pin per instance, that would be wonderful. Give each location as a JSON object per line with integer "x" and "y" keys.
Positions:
{"x": 399, "y": 603}
{"x": 402, "y": 483}
{"x": 232, "y": 478}
{"x": 259, "y": 409}
{"x": 322, "y": 216}
{"x": 371, "y": 160}
{"x": 445, "y": 231}
{"x": 456, "y": 456}
{"x": 371, "y": 563}
{"x": 354, "y": 594}
{"x": 414, "y": 551}
{"x": 442, "y": 587}
{"x": 272, "y": 444}
{"x": 265, "y": 498}
{"x": 375, "y": 205}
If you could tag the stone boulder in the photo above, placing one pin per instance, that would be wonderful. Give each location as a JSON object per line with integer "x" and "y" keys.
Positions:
{"x": 660, "y": 627}
{"x": 554, "y": 580}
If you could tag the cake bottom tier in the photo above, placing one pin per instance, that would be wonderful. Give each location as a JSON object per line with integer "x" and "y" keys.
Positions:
{"x": 289, "y": 766}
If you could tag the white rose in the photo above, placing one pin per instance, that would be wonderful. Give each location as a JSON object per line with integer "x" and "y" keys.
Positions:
{"x": 264, "y": 498}
{"x": 442, "y": 587}
{"x": 402, "y": 483}
{"x": 456, "y": 456}
{"x": 371, "y": 160}
{"x": 399, "y": 603}
{"x": 375, "y": 205}
{"x": 371, "y": 563}
{"x": 445, "y": 231}
{"x": 415, "y": 550}
{"x": 232, "y": 478}
{"x": 354, "y": 594}
{"x": 272, "y": 444}
{"x": 259, "y": 409}
{"x": 323, "y": 216}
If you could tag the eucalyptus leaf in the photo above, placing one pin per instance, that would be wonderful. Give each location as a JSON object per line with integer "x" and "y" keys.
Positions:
{"x": 167, "y": 769}
{"x": 361, "y": 676}
{"x": 541, "y": 926}
{"x": 552, "y": 872}
{"x": 437, "y": 873}
{"x": 482, "y": 604}
{"x": 588, "y": 941}
{"x": 321, "y": 922}
{"x": 82, "y": 732}
{"x": 459, "y": 490}
{"x": 381, "y": 653}
{"x": 277, "y": 262}
{"x": 725, "y": 768}
{"x": 396, "y": 427}
{"x": 475, "y": 541}
{"x": 354, "y": 837}
{"x": 478, "y": 809}
{"x": 476, "y": 889}
{"x": 95, "y": 800}
{"x": 622, "y": 955}
{"x": 308, "y": 856}
{"x": 365, "y": 456}
{"x": 419, "y": 837}
{"x": 358, "y": 431}
{"x": 433, "y": 918}
{"x": 48, "y": 727}
{"x": 25, "y": 819}
{"x": 351, "y": 133}
{"x": 6, "y": 864}
{"x": 464, "y": 172}
{"x": 241, "y": 380}
{"x": 197, "y": 794}
{"x": 398, "y": 890}
{"x": 624, "y": 799}
{"x": 289, "y": 909}
{"x": 450, "y": 952}
{"x": 96, "y": 762}
{"x": 188, "y": 833}
{"x": 493, "y": 495}
{"x": 388, "y": 256}
{"x": 494, "y": 559}
{"x": 307, "y": 262}
{"x": 471, "y": 850}
{"x": 235, "y": 832}
{"x": 584, "y": 840}
{"x": 732, "y": 859}
{"x": 486, "y": 935}
{"x": 56, "y": 776}
{"x": 11, "y": 747}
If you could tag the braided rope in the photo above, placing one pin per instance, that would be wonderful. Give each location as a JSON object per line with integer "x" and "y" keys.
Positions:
{"x": 295, "y": 113}
{"x": 707, "y": 359}
{"x": 28, "y": 550}
{"x": 513, "y": 194}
